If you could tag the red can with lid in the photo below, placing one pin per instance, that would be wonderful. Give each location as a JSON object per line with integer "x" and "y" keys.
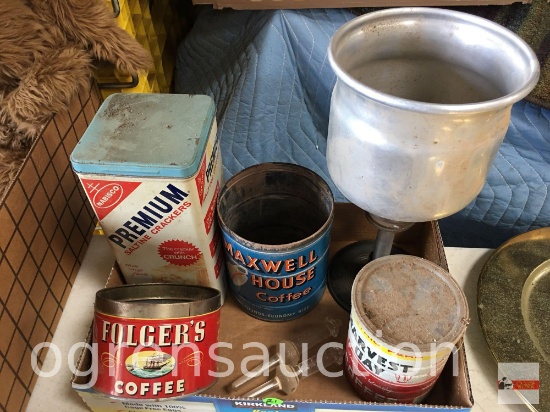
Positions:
{"x": 156, "y": 341}
{"x": 407, "y": 317}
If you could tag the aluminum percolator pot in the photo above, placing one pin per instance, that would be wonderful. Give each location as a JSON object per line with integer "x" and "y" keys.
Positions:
{"x": 420, "y": 107}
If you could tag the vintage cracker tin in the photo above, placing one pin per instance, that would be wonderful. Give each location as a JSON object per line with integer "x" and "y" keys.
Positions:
{"x": 151, "y": 167}
{"x": 156, "y": 341}
{"x": 276, "y": 220}
{"x": 407, "y": 316}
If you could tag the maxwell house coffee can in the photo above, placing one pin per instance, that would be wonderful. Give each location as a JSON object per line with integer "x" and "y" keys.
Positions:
{"x": 156, "y": 341}
{"x": 407, "y": 317}
{"x": 151, "y": 167}
{"x": 276, "y": 220}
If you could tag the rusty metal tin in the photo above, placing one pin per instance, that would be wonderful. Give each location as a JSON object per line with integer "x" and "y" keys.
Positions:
{"x": 407, "y": 316}
{"x": 156, "y": 341}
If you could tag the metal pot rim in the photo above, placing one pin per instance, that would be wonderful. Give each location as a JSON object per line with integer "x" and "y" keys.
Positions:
{"x": 433, "y": 108}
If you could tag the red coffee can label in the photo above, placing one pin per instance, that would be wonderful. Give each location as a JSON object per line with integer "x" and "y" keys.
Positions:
{"x": 372, "y": 388}
{"x": 381, "y": 374}
{"x": 155, "y": 358}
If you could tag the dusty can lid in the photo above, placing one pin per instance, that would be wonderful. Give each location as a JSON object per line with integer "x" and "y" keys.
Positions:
{"x": 410, "y": 299}
{"x": 140, "y": 134}
{"x": 157, "y": 301}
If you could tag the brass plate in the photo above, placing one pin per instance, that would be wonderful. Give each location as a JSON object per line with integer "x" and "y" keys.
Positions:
{"x": 514, "y": 305}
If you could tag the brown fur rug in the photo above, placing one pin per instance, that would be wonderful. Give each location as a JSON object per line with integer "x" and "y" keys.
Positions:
{"x": 47, "y": 49}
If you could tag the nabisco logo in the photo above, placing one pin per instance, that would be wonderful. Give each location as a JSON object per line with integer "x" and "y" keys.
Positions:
{"x": 106, "y": 195}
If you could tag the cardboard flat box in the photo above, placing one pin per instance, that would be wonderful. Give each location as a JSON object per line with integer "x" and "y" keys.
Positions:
{"x": 318, "y": 392}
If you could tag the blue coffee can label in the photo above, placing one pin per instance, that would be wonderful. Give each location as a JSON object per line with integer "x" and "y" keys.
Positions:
{"x": 280, "y": 284}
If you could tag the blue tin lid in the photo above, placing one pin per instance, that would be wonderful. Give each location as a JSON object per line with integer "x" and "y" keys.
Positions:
{"x": 139, "y": 134}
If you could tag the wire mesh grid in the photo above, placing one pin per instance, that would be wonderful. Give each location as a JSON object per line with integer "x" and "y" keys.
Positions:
{"x": 45, "y": 226}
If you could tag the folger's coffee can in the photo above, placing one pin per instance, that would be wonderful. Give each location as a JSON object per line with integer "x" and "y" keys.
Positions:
{"x": 408, "y": 314}
{"x": 156, "y": 341}
{"x": 276, "y": 220}
{"x": 151, "y": 167}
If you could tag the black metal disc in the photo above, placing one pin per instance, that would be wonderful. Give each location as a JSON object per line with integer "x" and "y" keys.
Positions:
{"x": 345, "y": 265}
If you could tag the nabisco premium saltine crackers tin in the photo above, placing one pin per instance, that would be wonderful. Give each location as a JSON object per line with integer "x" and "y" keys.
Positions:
{"x": 151, "y": 167}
